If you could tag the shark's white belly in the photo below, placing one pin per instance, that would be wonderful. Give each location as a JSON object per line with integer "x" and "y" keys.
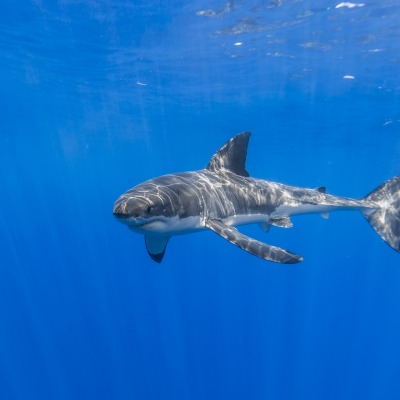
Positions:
{"x": 294, "y": 209}
{"x": 281, "y": 211}
{"x": 169, "y": 226}
{"x": 180, "y": 226}
{"x": 236, "y": 220}
{"x": 177, "y": 226}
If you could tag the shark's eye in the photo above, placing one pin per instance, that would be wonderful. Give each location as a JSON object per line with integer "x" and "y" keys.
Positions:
{"x": 148, "y": 209}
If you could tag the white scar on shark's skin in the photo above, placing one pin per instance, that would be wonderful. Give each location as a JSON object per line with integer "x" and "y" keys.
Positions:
{"x": 223, "y": 196}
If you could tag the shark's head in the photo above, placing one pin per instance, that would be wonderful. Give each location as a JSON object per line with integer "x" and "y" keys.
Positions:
{"x": 158, "y": 205}
{"x": 143, "y": 210}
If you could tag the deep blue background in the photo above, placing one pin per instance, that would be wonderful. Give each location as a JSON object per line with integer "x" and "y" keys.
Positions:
{"x": 96, "y": 97}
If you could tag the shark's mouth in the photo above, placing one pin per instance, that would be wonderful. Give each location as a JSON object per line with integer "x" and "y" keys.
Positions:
{"x": 130, "y": 220}
{"x": 144, "y": 224}
{"x": 140, "y": 223}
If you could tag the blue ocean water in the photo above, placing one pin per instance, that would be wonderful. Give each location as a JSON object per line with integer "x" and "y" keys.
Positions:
{"x": 99, "y": 96}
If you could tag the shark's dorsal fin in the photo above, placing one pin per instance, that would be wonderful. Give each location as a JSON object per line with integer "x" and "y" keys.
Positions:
{"x": 232, "y": 155}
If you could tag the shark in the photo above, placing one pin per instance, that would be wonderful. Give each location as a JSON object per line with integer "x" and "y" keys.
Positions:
{"x": 223, "y": 196}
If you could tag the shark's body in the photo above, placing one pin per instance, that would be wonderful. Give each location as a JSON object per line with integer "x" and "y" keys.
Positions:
{"x": 223, "y": 195}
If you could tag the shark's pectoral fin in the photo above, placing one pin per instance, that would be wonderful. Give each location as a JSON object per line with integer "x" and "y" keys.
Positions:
{"x": 156, "y": 246}
{"x": 255, "y": 247}
{"x": 282, "y": 222}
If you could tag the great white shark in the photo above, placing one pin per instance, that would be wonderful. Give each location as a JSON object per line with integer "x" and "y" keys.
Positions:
{"x": 223, "y": 196}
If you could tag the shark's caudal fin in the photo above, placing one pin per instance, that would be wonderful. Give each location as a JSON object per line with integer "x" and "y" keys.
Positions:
{"x": 386, "y": 219}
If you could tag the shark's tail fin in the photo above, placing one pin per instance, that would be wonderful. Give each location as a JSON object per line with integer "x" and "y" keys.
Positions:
{"x": 385, "y": 219}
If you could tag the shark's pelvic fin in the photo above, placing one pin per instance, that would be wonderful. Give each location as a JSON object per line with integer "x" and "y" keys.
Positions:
{"x": 232, "y": 155}
{"x": 282, "y": 222}
{"x": 255, "y": 247}
{"x": 156, "y": 246}
{"x": 265, "y": 226}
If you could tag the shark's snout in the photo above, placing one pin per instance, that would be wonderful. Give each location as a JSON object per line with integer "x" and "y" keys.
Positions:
{"x": 121, "y": 215}
{"x": 131, "y": 208}
{"x": 119, "y": 209}
{"x": 122, "y": 211}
